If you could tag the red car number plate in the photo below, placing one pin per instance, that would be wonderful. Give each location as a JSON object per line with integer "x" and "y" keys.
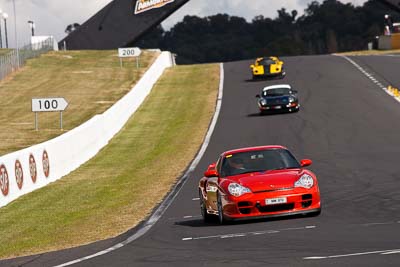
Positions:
{"x": 273, "y": 201}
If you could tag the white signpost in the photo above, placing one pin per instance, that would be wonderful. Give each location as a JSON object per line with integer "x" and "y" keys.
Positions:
{"x": 129, "y": 52}
{"x": 50, "y": 104}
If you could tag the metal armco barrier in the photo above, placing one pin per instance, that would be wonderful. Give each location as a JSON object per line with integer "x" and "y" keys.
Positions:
{"x": 31, "y": 168}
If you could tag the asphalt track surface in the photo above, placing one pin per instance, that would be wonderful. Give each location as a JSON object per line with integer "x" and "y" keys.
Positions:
{"x": 347, "y": 125}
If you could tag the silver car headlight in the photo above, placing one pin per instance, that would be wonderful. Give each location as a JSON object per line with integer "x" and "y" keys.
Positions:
{"x": 263, "y": 102}
{"x": 305, "y": 181}
{"x": 291, "y": 99}
{"x": 237, "y": 190}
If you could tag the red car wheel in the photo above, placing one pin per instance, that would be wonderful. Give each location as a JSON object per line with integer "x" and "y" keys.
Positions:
{"x": 221, "y": 216}
{"x": 203, "y": 209}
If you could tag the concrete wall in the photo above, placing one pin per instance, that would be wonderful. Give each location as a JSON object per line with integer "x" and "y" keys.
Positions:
{"x": 384, "y": 42}
{"x": 29, "y": 169}
{"x": 388, "y": 42}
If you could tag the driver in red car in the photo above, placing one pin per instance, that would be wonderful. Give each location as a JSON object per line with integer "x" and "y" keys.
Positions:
{"x": 236, "y": 165}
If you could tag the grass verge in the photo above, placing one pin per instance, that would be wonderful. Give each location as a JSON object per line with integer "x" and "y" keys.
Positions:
{"x": 120, "y": 186}
{"x": 91, "y": 81}
{"x": 4, "y": 51}
{"x": 369, "y": 52}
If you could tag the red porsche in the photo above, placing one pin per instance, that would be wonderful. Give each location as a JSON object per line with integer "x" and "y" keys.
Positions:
{"x": 256, "y": 182}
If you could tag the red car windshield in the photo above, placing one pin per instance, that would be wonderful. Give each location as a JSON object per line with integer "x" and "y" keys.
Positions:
{"x": 257, "y": 161}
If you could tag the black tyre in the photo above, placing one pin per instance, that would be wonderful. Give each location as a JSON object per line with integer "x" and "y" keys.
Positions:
{"x": 283, "y": 73}
{"x": 221, "y": 216}
{"x": 206, "y": 217}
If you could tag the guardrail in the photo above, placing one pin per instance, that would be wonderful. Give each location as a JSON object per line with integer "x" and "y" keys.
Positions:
{"x": 31, "y": 168}
{"x": 10, "y": 61}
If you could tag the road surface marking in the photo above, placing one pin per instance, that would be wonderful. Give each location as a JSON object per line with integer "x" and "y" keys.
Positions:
{"x": 391, "y": 252}
{"x": 235, "y": 235}
{"x": 382, "y": 252}
{"x": 379, "y": 84}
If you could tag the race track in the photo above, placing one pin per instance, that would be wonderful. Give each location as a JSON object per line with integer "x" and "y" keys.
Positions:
{"x": 347, "y": 125}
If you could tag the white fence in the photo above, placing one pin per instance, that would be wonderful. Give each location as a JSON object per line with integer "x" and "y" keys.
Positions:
{"x": 26, "y": 170}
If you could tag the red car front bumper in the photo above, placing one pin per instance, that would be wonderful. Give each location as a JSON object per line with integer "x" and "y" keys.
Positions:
{"x": 254, "y": 205}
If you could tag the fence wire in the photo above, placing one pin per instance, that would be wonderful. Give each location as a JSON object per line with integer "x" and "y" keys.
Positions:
{"x": 9, "y": 62}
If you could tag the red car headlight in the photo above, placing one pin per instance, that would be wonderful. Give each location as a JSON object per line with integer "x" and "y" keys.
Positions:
{"x": 305, "y": 181}
{"x": 237, "y": 190}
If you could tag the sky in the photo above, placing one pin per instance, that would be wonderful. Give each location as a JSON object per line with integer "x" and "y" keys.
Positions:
{"x": 51, "y": 17}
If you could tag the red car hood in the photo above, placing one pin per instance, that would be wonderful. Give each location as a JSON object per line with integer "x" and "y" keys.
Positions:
{"x": 269, "y": 180}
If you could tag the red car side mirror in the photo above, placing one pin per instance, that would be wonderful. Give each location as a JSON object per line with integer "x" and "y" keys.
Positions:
{"x": 211, "y": 171}
{"x": 305, "y": 162}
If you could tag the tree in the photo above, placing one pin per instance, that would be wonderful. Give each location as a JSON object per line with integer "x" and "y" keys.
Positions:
{"x": 325, "y": 27}
{"x": 72, "y": 27}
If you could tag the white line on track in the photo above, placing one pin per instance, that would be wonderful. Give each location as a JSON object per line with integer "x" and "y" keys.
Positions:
{"x": 377, "y": 223}
{"x": 392, "y": 252}
{"x": 191, "y": 216}
{"x": 235, "y": 235}
{"x": 196, "y": 198}
{"x": 164, "y": 206}
{"x": 382, "y": 252}
{"x": 379, "y": 84}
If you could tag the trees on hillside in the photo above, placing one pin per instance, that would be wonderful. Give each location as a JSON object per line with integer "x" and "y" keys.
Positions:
{"x": 72, "y": 27}
{"x": 326, "y": 27}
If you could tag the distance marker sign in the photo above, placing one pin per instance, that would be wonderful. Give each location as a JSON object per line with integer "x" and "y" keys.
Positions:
{"x": 49, "y": 104}
{"x": 129, "y": 52}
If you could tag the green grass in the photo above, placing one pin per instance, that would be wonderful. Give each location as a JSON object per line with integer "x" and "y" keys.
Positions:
{"x": 4, "y": 51}
{"x": 91, "y": 81}
{"x": 118, "y": 188}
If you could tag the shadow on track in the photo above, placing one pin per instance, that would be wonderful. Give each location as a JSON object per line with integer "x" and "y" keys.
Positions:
{"x": 263, "y": 79}
{"x": 255, "y": 80}
{"x": 270, "y": 113}
{"x": 214, "y": 221}
{"x": 198, "y": 223}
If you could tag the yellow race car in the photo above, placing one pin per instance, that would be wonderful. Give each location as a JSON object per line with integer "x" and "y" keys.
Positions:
{"x": 265, "y": 67}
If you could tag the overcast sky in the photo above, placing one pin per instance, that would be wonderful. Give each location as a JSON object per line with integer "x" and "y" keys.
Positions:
{"x": 51, "y": 17}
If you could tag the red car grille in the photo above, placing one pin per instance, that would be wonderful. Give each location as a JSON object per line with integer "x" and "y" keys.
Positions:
{"x": 275, "y": 208}
{"x": 245, "y": 207}
{"x": 274, "y": 190}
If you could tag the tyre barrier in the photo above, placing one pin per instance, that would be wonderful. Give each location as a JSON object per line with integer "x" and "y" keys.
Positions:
{"x": 29, "y": 169}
